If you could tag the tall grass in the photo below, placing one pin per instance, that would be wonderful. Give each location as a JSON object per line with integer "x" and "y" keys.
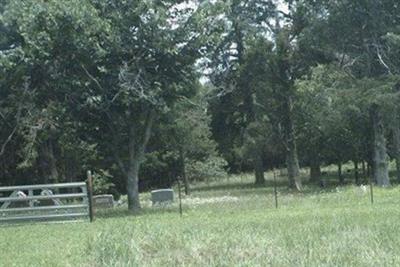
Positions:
{"x": 230, "y": 223}
{"x": 328, "y": 229}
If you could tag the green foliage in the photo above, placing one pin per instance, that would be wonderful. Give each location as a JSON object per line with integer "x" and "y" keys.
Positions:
{"x": 102, "y": 184}
{"x": 48, "y": 41}
{"x": 213, "y": 167}
{"x": 89, "y": 71}
{"x": 92, "y": 84}
{"x": 334, "y": 112}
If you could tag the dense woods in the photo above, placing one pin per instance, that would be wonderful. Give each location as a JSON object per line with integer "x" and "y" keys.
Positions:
{"x": 144, "y": 92}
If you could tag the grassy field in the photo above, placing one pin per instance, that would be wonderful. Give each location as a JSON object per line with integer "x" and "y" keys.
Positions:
{"x": 226, "y": 223}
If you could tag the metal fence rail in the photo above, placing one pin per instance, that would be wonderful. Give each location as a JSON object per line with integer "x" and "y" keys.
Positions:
{"x": 45, "y": 202}
{"x": 42, "y": 186}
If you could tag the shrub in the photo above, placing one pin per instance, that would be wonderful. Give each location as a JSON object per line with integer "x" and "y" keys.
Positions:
{"x": 102, "y": 184}
{"x": 213, "y": 166}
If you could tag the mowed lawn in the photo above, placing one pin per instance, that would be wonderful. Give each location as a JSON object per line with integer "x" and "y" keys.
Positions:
{"x": 224, "y": 224}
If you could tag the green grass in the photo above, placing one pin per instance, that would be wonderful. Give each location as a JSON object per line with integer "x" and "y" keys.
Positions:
{"x": 225, "y": 223}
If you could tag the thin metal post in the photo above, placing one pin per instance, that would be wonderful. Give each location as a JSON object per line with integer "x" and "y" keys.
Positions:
{"x": 275, "y": 190}
{"x": 89, "y": 184}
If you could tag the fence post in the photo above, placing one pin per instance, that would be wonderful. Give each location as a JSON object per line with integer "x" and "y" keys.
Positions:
{"x": 89, "y": 185}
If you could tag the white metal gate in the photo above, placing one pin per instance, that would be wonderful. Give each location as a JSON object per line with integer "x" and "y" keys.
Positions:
{"x": 46, "y": 202}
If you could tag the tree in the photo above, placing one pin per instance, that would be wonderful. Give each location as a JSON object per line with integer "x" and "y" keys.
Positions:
{"x": 147, "y": 66}
{"x": 47, "y": 40}
{"x": 392, "y": 44}
{"x": 332, "y": 118}
{"x": 192, "y": 140}
{"x": 234, "y": 110}
{"x": 356, "y": 30}
{"x": 287, "y": 59}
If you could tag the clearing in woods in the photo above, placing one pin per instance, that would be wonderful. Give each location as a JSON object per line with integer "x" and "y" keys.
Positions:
{"x": 229, "y": 223}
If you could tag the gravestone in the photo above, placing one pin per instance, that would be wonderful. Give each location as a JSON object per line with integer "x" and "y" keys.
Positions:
{"x": 103, "y": 201}
{"x": 162, "y": 196}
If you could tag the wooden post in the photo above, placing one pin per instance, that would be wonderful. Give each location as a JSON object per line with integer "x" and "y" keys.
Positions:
{"x": 89, "y": 184}
{"x": 180, "y": 197}
{"x": 275, "y": 190}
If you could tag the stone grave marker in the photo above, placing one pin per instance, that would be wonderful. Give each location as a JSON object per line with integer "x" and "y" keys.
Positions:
{"x": 162, "y": 196}
{"x": 103, "y": 201}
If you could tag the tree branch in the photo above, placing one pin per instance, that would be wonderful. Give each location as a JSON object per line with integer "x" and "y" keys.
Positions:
{"x": 18, "y": 118}
{"x": 3, "y": 147}
{"x": 147, "y": 133}
{"x": 381, "y": 60}
{"x": 92, "y": 77}
{"x": 5, "y": 119}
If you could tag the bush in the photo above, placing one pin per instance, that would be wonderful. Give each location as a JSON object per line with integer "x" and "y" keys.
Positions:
{"x": 102, "y": 184}
{"x": 213, "y": 166}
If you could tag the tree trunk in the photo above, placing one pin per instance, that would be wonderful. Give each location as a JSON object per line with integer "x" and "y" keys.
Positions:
{"x": 381, "y": 172}
{"x": 258, "y": 167}
{"x": 48, "y": 162}
{"x": 315, "y": 172}
{"x": 370, "y": 168}
{"x": 292, "y": 161}
{"x": 356, "y": 174}
{"x": 54, "y": 175}
{"x": 132, "y": 186}
{"x": 340, "y": 174}
{"x": 184, "y": 176}
{"x": 364, "y": 170}
{"x": 137, "y": 142}
{"x": 293, "y": 169}
{"x": 396, "y": 147}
